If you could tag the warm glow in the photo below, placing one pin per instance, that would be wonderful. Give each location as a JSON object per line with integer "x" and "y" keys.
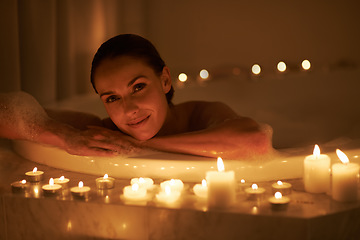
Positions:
{"x": 172, "y": 182}
{"x": 62, "y": 178}
{"x": 281, "y": 67}
{"x": 23, "y": 181}
{"x": 242, "y": 180}
{"x": 203, "y": 183}
{"x": 135, "y": 187}
{"x": 316, "y": 151}
{"x": 306, "y": 64}
{"x": 35, "y": 170}
{"x": 220, "y": 164}
{"x": 279, "y": 183}
{"x": 278, "y": 195}
{"x": 204, "y": 74}
{"x": 256, "y": 69}
{"x": 167, "y": 190}
{"x": 254, "y": 186}
{"x": 182, "y": 77}
{"x": 51, "y": 181}
{"x": 106, "y": 176}
{"x": 81, "y": 184}
{"x": 342, "y": 156}
{"x": 141, "y": 180}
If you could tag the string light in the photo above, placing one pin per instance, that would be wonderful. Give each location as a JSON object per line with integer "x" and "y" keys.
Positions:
{"x": 281, "y": 67}
{"x": 256, "y": 69}
{"x": 204, "y": 74}
{"x": 182, "y": 77}
{"x": 306, "y": 64}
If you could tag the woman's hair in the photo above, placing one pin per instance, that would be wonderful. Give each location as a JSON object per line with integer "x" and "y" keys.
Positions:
{"x": 133, "y": 46}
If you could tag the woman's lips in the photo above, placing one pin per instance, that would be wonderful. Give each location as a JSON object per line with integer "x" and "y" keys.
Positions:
{"x": 138, "y": 122}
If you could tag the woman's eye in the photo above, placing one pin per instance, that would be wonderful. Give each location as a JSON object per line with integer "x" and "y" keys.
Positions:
{"x": 111, "y": 99}
{"x": 139, "y": 87}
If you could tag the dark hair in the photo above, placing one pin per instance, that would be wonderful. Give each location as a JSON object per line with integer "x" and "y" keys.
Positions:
{"x": 133, "y": 46}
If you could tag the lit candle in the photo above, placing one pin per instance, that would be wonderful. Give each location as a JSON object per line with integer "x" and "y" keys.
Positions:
{"x": 221, "y": 186}
{"x": 34, "y": 175}
{"x": 174, "y": 184}
{"x": 167, "y": 195}
{"x": 147, "y": 183}
{"x": 283, "y": 187}
{"x": 134, "y": 192}
{"x": 51, "y": 188}
{"x": 19, "y": 186}
{"x": 201, "y": 190}
{"x": 317, "y": 172}
{"x": 254, "y": 192}
{"x": 345, "y": 179}
{"x": 63, "y": 181}
{"x": 80, "y": 191}
{"x": 105, "y": 182}
{"x": 278, "y": 201}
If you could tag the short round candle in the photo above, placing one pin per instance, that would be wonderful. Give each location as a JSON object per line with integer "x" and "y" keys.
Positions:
{"x": 144, "y": 182}
{"x": 167, "y": 195}
{"x": 134, "y": 192}
{"x": 105, "y": 182}
{"x": 201, "y": 190}
{"x": 345, "y": 179}
{"x": 317, "y": 172}
{"x": 34, "y": 175}
{"x": 278, "y": 201}
{"x": 254, "y": 192}
{"x": 283, "y": 187}
{"x": 80, "y": 191}
{"x": 174, "y": 184}
{"x": 63, "y": 181}
{"x": 51, "y": 188}
{"x": 19, "y": 186}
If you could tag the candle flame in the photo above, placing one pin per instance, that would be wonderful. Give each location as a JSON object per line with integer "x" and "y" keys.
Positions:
{"x": 342, "y": 156}
{"x": 316, "y": 152}
{"x": 51, "y": 181}
{"x": 203, "y": 183}
{"x": 135, "y": 187}
{"x": 81, "y": 184}
{"x": 35, "y": 170}
{"x": 279, "y": 183}
{"x": 172, "y": 182}
{"x": 167, "y": 190}
{"x": 61, "y": 178}
{"x": 220, "y": 164}
{"x": 254, "y": 186}
{"x": 23, "y": 181}
{"x": 242, "y": 180}
{"x": 278, "y": 195}
{"x": 141, "y": 180}
{"x": 106, "y": 176}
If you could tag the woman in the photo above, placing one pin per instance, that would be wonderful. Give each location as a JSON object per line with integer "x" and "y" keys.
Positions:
{"x": 135, "y": 86}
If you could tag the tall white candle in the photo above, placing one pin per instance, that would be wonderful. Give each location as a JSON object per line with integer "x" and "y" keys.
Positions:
{"x": 317, "y": 172}
{"x": 345, "y": 179}
{"x": 221, "y": 186}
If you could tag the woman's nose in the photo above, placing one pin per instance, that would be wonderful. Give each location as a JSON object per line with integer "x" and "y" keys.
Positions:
{"x": 130, "y": 107}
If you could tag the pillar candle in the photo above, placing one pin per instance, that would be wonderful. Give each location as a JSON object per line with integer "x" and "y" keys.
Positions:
{"x": 345, "y": 179}
{"x": 221, "y": 186}
{"x": 317, "y": 172}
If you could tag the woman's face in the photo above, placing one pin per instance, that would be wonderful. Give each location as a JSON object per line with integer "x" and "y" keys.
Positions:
{"x": 133, "y": 95}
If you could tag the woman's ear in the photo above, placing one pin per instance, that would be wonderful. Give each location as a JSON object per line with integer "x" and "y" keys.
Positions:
{"x": 166, "y": 79}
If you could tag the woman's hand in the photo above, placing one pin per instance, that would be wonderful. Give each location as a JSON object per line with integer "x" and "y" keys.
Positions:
{"x": 99, "y": 141}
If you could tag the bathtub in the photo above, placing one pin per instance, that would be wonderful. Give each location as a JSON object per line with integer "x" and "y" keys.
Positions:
{"x": 303, "y": 108}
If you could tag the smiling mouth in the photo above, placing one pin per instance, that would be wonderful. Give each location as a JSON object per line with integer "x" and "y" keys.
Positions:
{"x": 138, "y": 122}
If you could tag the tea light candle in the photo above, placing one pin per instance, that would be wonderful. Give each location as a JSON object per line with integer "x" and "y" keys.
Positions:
{"x": 174, "y": 184}
{"x": 278, "y": 201}
{"x": 345, "y": 179}
{"x": 134, "y": 192}
{"x": 254, "y": 192}
{"x": 80, "y": 191}
{"x": 105, "y": 182}
{"x": 221, "y": 186}
{"x": 51, "y": 188}
{"x": 201, "y": 190}
{"x": 147, "y": 183}
{"x": 167, "y": 195}
{"x": 63, "y": 181}
{"x": 317, "y": 172}
{"x": 19, "y": 186}
{"x": 34, "y": 175}
{"x": 283, "y": 187}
